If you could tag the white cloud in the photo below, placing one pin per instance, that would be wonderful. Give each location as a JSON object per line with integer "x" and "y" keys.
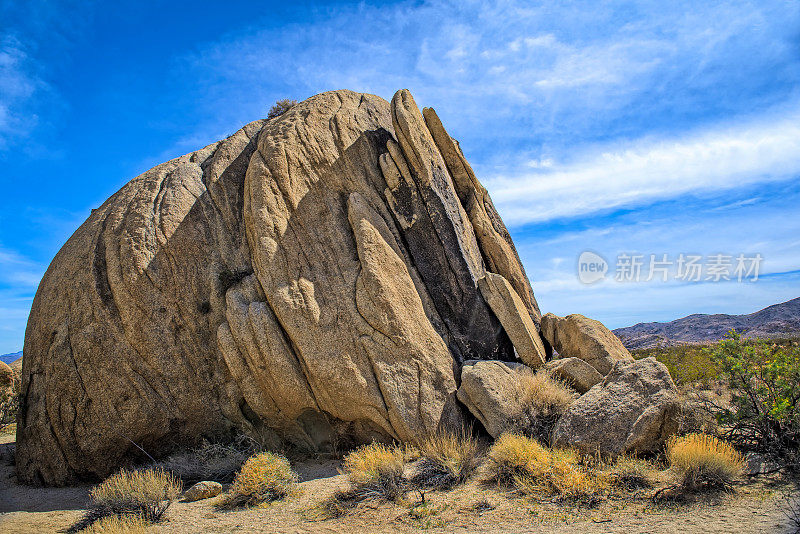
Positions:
{"x": 19, "y": 277}
{"x": 19, "y": 271}
{"x": 552, "y": 73}
{"x": 634, "y": 173}
{"x": 17, "y": 86}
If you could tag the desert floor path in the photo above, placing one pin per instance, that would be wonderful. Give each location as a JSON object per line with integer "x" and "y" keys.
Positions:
{"x": 754, "y": 508}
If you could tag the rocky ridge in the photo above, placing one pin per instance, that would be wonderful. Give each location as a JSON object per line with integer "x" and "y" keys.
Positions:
{"x": 776, "y": 321}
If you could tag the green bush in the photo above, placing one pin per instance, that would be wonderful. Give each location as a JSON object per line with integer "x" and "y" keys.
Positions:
{"x": 687, "y": 364}
{"x": 764, "y": 379}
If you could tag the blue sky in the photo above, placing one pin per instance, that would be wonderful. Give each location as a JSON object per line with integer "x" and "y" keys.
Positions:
{"x": 617, "y": 127}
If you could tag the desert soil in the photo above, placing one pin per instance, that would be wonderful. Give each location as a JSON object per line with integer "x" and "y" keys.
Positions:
{"x": 751, "y": 508}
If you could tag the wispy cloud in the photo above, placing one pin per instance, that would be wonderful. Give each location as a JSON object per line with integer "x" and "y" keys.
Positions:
{"x": 528, "y": 77}
{"x": 19, "y": 277}
{"x": 18, "y": 84}
{"x": 761, "y": 224}
{"x": 18, "y": 271}
{"x": 634, "y": 173}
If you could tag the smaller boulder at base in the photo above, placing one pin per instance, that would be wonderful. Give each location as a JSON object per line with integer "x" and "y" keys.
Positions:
{"x": 575, "y": 372}
{"x": 202, "y": 490}
{"x": 490, "y": 391}
{"x": 577, "y": 336}
{"x": 635, "y": 409}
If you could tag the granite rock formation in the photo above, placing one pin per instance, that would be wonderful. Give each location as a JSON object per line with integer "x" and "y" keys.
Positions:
{"x": 312, "y": 279}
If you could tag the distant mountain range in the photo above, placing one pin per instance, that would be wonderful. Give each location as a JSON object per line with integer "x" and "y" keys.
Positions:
{"x": 778, "y": 320}
{"x": 8, "y": 358}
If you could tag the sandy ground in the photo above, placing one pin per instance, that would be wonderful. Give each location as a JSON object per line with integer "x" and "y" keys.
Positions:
{"x": 751, "y": 508}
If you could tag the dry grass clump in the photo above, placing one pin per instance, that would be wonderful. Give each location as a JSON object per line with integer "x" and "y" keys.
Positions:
{"x": 375, "y": 471}
{"x": 447, "y": 460}
{"x": 146, "y": 494}
{"x": 512, "y": 456}
{"x": 703, "y": 461}
{"x": 131, "y": 524}
{"x": 265, "y": 477}
{"x": 521, "y": 462}
{"x": 211, "y": 461}
{"x": 545, "y": 398}
{"x": 630, "y": 473}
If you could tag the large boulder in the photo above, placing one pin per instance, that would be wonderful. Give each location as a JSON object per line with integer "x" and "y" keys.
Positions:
{"x": 491, "y": 392}
{"x": 575, "y": 372}
{"x": 635, "y": 409}
{"x": 576, "y": 336}
{"x": 312, "y": 279}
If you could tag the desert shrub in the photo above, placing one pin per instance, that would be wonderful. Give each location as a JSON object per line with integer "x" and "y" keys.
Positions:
{"x": 694, "y": 417}
{"x": 211, "y": 461}
{"x": 537, "y": 471}
{"x": 544, "y": 400}
{"x": 131, "y": 524}
{"x": 791, "y": 510}
{"x": 446, "y": 460}
{"x": 265, "y": 477}
{"x": 764, "y": 379}
{"x": 511, "y": 457}
{"x": 9, "y": 404}
{"x": 375, "y": 472}
{"x": 9, "y": 398}
{"x": 146, "y": 494}
{"x": 630, "y": 473}
{"x": 687, "y": 364}
{"x": 704, "y": 461}
{"x": 376, "y": 469}
{"x": 560, "y": 474}
{"x": 280, "y": 107}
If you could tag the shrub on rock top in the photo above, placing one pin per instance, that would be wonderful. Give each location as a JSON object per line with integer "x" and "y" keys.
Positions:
{"x": 280, "y": 107}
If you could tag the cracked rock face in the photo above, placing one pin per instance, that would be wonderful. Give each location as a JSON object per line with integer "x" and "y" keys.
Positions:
{"x": 312, "y": 279}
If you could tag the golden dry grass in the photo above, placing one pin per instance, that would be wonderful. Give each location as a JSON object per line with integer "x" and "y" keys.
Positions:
{"x": 131, "y": 524}
{"x": 702, "y": 460}
{"x": 544, "y": 399}
{"x": 265, "y": 477}
{"x": 375, "y": 471}
{"x": 371, "y": 463}
{"x": 545, "y": 393}
{"x": 146, "y": 494}
{"x": 538, "y": 471}
{"x": 447, "y": 459}
{"x": 512, "y": 455}
{"x": 630, "y": 473}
